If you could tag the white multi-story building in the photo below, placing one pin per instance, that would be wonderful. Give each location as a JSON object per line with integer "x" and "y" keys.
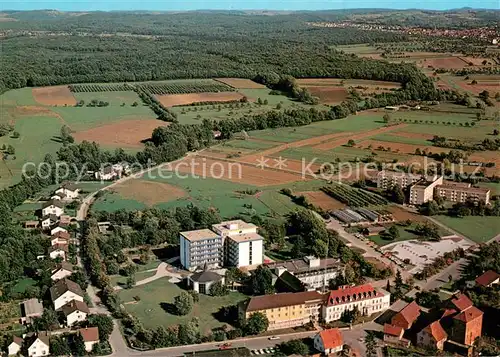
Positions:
{"x": 201, "y": 247}
{"x": 367, "y": 299}
{"x": 314, "y": 272}
{"x": 243, "y": 245}
{"x": 387, "y": 179}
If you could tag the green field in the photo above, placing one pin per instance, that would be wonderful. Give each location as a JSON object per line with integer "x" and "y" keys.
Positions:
{"x": 250, "y": 144}
{"x": 494, "y": 187}
{"x": 151, "y": 309}
{"x": 113, "y": 98}
{"x": 405, "y": 233}
{"x": 118, "y": 280}
{"x": 478, "y": 228}
{"x": 400, "y": 139}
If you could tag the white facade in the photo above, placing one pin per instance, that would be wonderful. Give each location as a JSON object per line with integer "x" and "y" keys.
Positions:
{"x": 57, "y": 229}
{"x": 75, "y": 316}
{"x": 60, "y": 274}
{"x": 52, "y": 209}
{"x": 365, "y": 298}
{"x": 387, "y": 179}
{"x": 241, "y": 253}
{"x": 59, "y": 240}
{"x": 65, "y": 298}
{"x": 201, "y": 247}
{"x": 46, "y": 223}
{"x": 70, "y": 194}
{"x": 58, "y": 253}
{"x": 38, "y": 348}
{"x": 14, "y": 348}
{"x": 89, "y": 345}
{"x": 318, "y": 344}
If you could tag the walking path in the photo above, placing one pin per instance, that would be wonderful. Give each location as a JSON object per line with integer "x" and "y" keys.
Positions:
{"x": 161, "y": 272}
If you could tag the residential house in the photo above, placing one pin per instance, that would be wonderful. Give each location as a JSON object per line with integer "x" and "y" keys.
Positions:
{"x": 61, "y": 271}
{"x": 58, "y": 196}
{"x": 407, "y": 316}
{"x": 30, "y": 309}
{"x": 64, "y": 291}
{"x": 75, "y": 311}
{"x": 38, "y": 344}
{"x": 14, "y": 347}
{"x": 57, "y": 229}
{"x": 462, "y": 320}
{"x": 433, "y": 336}
{"x": 90, "y": 337}
{"x": 203, "y": 280}
{"x": 60, "y": 237}
{"x": 314, "y": 273}
{"x": 393, "y": 334}
{"x": 488, "y": 279}
{"x": 201, "y": 247}
{"x": 52, "y": 207}
{"x": 329, "y": 341}
{"x": 285, "y": 310}
{"x": 111, "y": 172}
{"x": 365, "y": 297}
{"x": 31, "y": 224}
{"x": 48, "y": 221}
{"x": 58, "y": 250}
{"x": 69, "y": 190}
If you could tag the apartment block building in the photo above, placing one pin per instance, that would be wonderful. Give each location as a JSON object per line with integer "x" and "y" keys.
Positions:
{"x": 460, "y": 192}
{"x": 242, "y": 244}
{"x": 286, "y": 310}
{"x": 201, "y": 247}
{"x": 423, "y": 191}
{"x": 387, "y": 179}
{"x": 365, "y": 297}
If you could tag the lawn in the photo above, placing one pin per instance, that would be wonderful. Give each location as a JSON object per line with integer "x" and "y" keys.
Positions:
{"x": 400, "y": 139}
{"x": 22, "y": 285}
{"x": 157, "y": 297}
{"x": 113, "y": 98}
{"x": 249, "y": 144}
{"x": 478, "y": 228}
{"x": 493, "y": 186}
{"x": 405, "y": 233}
{"x": 118, "y": 280}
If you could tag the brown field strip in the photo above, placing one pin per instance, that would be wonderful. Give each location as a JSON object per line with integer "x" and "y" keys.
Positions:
{"x": 241, "y": 83}
{"x": 322, "y": 200}
{"x": 451, "y": 62}
{"x": 57, "y": 95}
{"x": 149, "y": 192}
{"x": 126, "y": 133}
{"x": 400, "y": 147}
{"x": 171, "y": 100}
{"x": 329, "y": 95}
{"x": 327, "y": 145}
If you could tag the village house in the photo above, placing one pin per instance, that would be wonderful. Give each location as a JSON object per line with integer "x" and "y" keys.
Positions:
{"x": 58, "y": 250}
{"x": 57, "y": 229}
{"x": 48, "y": 221}
{"x": 30, "y": 309}
{"x": 90, "y": 337}
{"x": 111, "y": 172}
{"x": 393, "y": 334}
{"x": 329, "y": 341}
{"x": 61, "y": 271}
{"x": 346, "y": 298}
{"x": 433, "y": 336}
{"x": 31, "y": 224}
{"x": 64, "y": 291}
{"x": 52, "y": 207}
{"x": 58, "y": 196}
{"x": 75, "y": 311}
{"x": 69, "y": 191}
{"x": 488, "y": 279}
{"x": 38, "y": 344}
{"x": 407, "y": 316}
{"x": 60, "y": 237}
{"x": 15, "y": 346}
{"x": 467, "y": 323}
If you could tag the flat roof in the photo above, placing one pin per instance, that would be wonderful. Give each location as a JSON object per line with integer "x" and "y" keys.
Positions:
{"x": 246, "y": 237}
{"x": 200, "y": 234}
{"x": 464, "y": 189}
{"x": 224, "y": 226}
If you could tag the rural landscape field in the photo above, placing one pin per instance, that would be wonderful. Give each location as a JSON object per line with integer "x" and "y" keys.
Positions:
{"x": 250, "y": 183}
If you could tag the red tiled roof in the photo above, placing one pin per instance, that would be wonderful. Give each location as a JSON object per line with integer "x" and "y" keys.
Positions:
{"x": 468, "y": 315}
{"x": 393, "y": 330}
{"x": 410, "y": 312}
{"x": 60, "y": 234}
{"x": 331, "y": 338}
{"x": 462, "y": 302}
{"x": 487, "y": 278}
{"x": 448, "y": 312}
{"x": 265, "y": 302}
{"x": 89, "y": 334}
{"x": 436, "y": 331}
{"x": 352, "y": 293}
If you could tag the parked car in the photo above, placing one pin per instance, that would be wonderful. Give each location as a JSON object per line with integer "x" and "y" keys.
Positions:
{"x": 274, "y": 338}
{"x": 225, "y": 346}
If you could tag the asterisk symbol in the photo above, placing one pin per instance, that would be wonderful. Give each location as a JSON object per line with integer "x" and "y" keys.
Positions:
{"x": 280, "y": 163}
{"x": 262, "y": 163}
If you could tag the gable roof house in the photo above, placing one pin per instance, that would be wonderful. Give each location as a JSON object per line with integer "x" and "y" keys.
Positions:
{"x": 48, "y": 221}
{"x": 57, "y": 229}
{"x": 30, "y": 309}
{"x": 68, "y": 190}
{"x": 329, "y": 341}
{"x": 52, "y": 207}
{"x": 15, "y": 346}
{"x": 75, "y": 311}
{"x": 64, "y": 291}
{"x": 407, "y": 316}
{"x": 488, "y": 279}
{"x": 433, "y": 335}
{"x": 90, "y": 337}
{"x": 60, "y": 237}
{"x": 393, "y": 333}
{"x": 38, "y": 344}
{"x": 58, "y": 250}
{"x": 61, "y": 271}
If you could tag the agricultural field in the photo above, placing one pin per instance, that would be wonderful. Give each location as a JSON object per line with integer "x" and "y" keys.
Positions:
{"x": 480, "y": 229}
{"x": 155, "y": 304}
{"x": 173, "y": 100}
{"x": 54, "y": 96}
{"x": 353, "y": 197}
{"x": 96, "y": 87}
{"x": 241, "y": 83}
{"x": 114, "y": 98}
{"x": 184, "y": 86}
